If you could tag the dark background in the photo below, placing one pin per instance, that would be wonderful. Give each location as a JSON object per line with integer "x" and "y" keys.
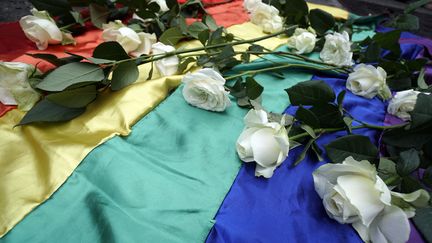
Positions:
{"x": 13, "y": 10}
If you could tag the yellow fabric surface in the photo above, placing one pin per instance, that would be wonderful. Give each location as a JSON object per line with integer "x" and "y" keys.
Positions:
{"x": 36, "y": 160}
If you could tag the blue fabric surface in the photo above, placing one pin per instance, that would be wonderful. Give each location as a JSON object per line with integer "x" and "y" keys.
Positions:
{"x": 286, "y": 208}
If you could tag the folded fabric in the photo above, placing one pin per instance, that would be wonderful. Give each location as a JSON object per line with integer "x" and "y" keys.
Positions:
{"x": 48, "y": 153}
{"x": 162, "y": 183}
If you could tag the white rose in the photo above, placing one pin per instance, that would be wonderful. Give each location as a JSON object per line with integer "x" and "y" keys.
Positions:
{"x": 264, "y": 142}
{"x": 14, "y": 86}
{"x": 147, "y": 40}
{"x": 337, "y": 49}
{"x": 302, "y": 41}
{"x": 267, "y": 17}
{"x": 205, "y": 89}
{"x": 42, "y": 30}
{"x": 135, "y": 44}
{"x": 250, "y": 5}
{"x": 368, "y": 81}
{"x": 352, "y": 192}
{"x": 168, "y": 65}
{"x": 403, "y": 103}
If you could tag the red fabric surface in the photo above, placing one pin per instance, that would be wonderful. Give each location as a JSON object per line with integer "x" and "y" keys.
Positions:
{"x": 5, "y": 108}
{"x": 14, "y": 45}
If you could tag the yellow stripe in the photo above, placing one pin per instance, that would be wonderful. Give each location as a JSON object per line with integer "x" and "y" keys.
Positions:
{"x": 36, "y": 160}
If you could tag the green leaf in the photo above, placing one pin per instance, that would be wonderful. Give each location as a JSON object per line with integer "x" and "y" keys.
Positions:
{"x": 408, "y": 137}
{"x": 238, "y": 90}
{"x": 253, "y": 88}
{"x": 422, "y": 221}
{"x": 408, "y": 162}
{"x": 54, "y": 7}
{"x": 389, "y": 41}
{"x": 309, "y": 130}
{"x": 245, "y": 57}
{"x": 313, "y": 92}
{"x": 98, "y": 14}
{"x": 406, "y": 22}
{"x": 357, "y": 146}
{"x": 171, "y": 36}
{"x": 210, "y": 22}
{"x": 340, "y": 99}
{"x": 71, "y": 74}
{"x": 318, "y": 152}
{"x": 372, "y": 53}
{"x": 153, "y": 7}
{"x": 295, "y": 12}
{"x": 421, "y": 83}
{"x": 74, "y": 98}
{"x": 400, "y": 83}
{"x": 203, "y": 36}
{"x": 47, "y": 111}
{"x": 348, "y": 123}
{"x": 387, "y": 172}
{"x": 145, "y": 14}
{"x": 307, "y": 117}
{"x": 321, "y": 21}
{"x": 371, "y": 19}
{"x": 329, "y": 115}
{"x": 183, "y": 65}
{"x": 427, "y": 177}
{"x": 422, "y": 112}
{"x": 48, "y": 57}
{"x": 110, "y": 50}
{"x": 195, "y": 28}
{"x": 427, "y": 149}
{"x": 124, "y": 74}
{"x": 416, "y": 65}
{"x": 256, "y": 48}
{"x": 77, "y": 17}
{"x": 302, "y": 155}
{"x": 415, "y": 5}
{"x": 410, "y": 184}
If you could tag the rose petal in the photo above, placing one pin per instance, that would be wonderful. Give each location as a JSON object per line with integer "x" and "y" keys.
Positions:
{"x": 266, "y": 172}
{"x": 391, "y": 226}
{"x": 265, "y": 147}
{"x": 255, "y": 118}
{"x": 361, "y": 193}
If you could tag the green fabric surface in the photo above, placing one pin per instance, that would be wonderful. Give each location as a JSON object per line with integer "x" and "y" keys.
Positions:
{"x": 162, "y": 183}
